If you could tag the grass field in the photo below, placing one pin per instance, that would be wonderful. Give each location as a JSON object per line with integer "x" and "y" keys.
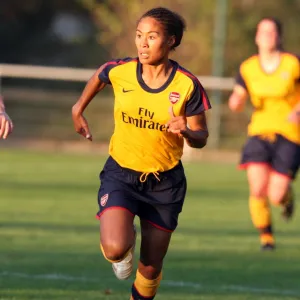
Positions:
{"x": 49, "y": 236}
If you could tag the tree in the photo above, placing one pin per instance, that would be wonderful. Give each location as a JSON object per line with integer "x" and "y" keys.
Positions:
{"x": 116, "y": 21}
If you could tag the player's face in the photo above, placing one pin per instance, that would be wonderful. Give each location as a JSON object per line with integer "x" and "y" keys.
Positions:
{"x": 266, "y": 35}
{"x": 152, "y": 43}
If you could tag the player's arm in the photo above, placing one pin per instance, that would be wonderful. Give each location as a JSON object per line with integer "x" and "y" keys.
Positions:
{"x": 197, "y": 132}
{"x": 238, "y": 98}
{"x": 2, "y": 107}
{"x": 192, "y": 126}
{"x": 93, "y": 86}
{"x": 239, "y": 94}
{"x": 6, "y": 125}
{"x": 295, "y": 114}
{"x": 193, "y": 129}
{"x": 297, "y": 107}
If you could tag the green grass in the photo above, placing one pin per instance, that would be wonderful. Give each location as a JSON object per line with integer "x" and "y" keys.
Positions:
{"x": 49, "y": 237}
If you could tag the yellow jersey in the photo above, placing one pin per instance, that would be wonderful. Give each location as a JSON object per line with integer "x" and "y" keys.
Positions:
{"x": 273, "y": 95}
{"x": 140, "y": 140}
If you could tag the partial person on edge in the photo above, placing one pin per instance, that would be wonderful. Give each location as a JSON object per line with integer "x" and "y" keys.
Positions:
{"x": 6, "y": 124}
{"x": 271, "y": 154}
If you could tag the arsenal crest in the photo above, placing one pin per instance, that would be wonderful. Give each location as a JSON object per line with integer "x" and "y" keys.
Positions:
{"x": 104, "y": 199}
{"x": 174, "y": 97}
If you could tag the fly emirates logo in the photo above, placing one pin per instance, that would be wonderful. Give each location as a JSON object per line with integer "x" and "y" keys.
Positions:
{"x": 144, "y": 120}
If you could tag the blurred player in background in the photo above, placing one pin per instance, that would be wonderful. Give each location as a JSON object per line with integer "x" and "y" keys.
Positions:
{"x": 158, "y": 104}
{"x": 271, "y": 154}
{"x": 6, "y": 125}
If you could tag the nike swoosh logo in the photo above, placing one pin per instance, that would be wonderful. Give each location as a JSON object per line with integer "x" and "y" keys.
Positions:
{"x": 126, "y": 91}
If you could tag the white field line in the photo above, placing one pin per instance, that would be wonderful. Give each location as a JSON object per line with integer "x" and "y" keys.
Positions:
{"x": 170, "y": 283}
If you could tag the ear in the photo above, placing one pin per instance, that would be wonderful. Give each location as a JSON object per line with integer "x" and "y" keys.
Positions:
{"x": 171, "y": 41}
{"x": 279, "y": 42}
{"x": 256, "y": 39}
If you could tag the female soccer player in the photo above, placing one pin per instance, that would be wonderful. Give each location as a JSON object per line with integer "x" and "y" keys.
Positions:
{"x": 6, "y": 125}
{"x": 158, "y": 104}
{"x": 271, "y": 154}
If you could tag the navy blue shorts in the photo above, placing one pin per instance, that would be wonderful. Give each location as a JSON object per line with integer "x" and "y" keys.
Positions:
{"x": 158, "y": 202}
{"x": 280, "y": 154}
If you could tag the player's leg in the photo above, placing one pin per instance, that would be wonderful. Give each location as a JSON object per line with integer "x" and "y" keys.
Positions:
{"x": 154, "y": 246}
{"x": 163, "y": 201}
{"x": 116, "y": 233}
{"x": 285, "y": 165}
{"x": 258, "y": 179}
{"x": 256, "y": 159}
{"x": 117, "y": 240}
{"x": 117, "y": 209}
{"x": 280, "y": 193}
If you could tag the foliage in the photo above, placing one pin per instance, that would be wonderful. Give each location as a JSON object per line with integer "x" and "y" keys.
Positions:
{"x": 116, "y": 20}
{"x": 25, "y": 26}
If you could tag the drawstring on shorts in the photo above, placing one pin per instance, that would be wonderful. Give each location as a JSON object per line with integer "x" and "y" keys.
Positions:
{"x": 145, "y": 175}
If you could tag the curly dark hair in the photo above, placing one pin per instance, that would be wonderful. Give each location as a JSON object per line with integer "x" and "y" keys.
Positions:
{"x": 173, "y": 23}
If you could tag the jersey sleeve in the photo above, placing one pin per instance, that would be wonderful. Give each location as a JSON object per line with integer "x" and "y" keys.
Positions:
{"x": 198, "y": 102}
{"x": 104, "y": 74}
{"x": 240, "y": 80}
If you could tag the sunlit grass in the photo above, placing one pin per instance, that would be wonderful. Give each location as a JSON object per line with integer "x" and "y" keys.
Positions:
{"x": 49, "y": 236}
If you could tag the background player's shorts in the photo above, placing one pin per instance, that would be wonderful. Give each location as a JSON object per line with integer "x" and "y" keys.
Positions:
{"x": 280, "y": 154}
{"x": 158, "y": 202}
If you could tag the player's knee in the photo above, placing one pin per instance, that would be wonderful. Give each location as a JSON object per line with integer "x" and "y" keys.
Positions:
{"x": 113, "y": 251}
{"x": 259, "y": 191}
{"x": 150, "y": 271}
{"x": 275, "y": 196}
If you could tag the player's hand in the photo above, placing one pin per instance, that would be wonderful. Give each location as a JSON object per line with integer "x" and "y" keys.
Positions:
{"x": 81, "y": 125}
{"x": 236, "y": 104}
{"x": 177, "y": 125}
{"x": 294, "y": 117}
{"x": 6, "y": 125}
